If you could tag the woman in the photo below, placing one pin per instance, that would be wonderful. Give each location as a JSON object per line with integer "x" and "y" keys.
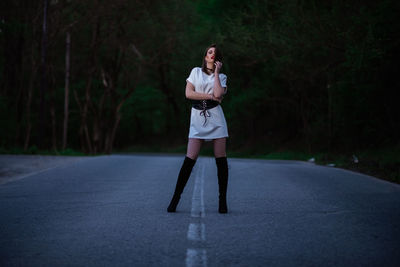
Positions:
{"x": 206, "y": 87}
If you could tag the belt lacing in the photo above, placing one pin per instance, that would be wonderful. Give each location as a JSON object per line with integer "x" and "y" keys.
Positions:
{"x": 204, "y": 112}
{"x": 204, "y": 105}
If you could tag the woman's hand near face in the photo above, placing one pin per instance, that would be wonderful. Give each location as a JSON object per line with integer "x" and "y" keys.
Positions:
{"x": 218, "y": 66}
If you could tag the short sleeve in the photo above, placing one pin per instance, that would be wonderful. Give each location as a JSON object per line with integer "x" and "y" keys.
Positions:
{"x": 223, "y": 80}
{"x": 192, "y": 76}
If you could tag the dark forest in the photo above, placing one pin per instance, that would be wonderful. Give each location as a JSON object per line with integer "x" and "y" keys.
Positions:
{"x": 313, "y": 77}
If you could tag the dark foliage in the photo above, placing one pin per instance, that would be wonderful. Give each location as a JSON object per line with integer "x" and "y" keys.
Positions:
{"x": 311, "y": 75}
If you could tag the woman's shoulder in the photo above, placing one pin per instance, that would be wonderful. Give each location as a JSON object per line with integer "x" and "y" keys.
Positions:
{"x": 195, "y": 72}
{"x": 196, "y": 69}
{"x": 222, "y": 75}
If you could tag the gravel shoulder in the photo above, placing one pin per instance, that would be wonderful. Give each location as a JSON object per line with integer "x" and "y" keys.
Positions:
{"x": 15, "y": 167}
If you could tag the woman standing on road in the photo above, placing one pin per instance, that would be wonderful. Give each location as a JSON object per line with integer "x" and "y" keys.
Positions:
{"x": 206, "y": 87}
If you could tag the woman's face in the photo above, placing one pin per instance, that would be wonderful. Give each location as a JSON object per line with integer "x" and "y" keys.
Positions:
{"x": 210, "y": 57}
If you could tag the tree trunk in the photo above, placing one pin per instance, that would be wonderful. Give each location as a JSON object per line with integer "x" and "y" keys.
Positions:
{"x": 111, "y": 137}
{"x": 166, "y": 90}
{"x": 330, "y": 120}
{"x": 81, "y": 139}
{"x": 43, "y": 86}
{"x": 53, "y": 112}
{"x": 29, "y": 101}
{"x": 66, "y": 97}
{"x": 96, "y": 135}
{"x": 84, "y": 123}
{"x": 19, "y": 104}
{"x": 84, "y": 129}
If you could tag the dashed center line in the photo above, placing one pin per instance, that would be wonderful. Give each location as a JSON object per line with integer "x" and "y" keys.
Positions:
{"x": 197, "y": 199}
{"x": 197, "y": 231}
{"x": 196, "y": 257}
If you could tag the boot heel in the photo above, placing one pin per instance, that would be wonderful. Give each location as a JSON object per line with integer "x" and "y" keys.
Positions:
{"x": 173, "y": 204}
{"x": 223, "y": 208}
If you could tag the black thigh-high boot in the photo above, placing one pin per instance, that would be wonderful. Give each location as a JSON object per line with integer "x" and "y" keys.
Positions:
{"x": 183, "y": 177}
{"x": 222, "y": 166}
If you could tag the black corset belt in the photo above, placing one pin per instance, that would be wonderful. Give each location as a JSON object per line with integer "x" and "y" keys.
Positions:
{"x": 204, "y": 105}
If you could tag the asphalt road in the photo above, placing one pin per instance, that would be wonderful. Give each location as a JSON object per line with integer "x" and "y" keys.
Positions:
{"x": 111, "y": 211}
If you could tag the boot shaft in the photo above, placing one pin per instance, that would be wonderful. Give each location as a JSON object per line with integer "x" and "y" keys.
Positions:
{"x": 184, "y": 175}
{"x": 222, "y": 167}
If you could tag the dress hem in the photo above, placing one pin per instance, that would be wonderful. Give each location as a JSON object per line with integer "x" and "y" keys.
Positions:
{"x": 208, "y": 138}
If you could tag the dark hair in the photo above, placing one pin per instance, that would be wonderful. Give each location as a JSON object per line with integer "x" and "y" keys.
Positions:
{"x": 218, "y": 57}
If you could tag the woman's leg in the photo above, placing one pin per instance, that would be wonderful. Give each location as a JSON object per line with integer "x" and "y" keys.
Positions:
{"x": 222, "y": 166}
{"x": 220, "y": 147}
{"x": 193, "y": 150}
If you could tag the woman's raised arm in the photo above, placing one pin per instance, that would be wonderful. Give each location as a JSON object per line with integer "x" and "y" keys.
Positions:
{"x": 219, "y": 91}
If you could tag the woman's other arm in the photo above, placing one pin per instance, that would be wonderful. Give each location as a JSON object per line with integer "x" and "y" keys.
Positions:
{"x": 192, "y": 94}
{"x": 219, "y": 91}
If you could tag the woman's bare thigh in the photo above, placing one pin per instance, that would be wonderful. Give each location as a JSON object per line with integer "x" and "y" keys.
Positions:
{"x": 193, "y": 148}
{"x": 220, "y": 147}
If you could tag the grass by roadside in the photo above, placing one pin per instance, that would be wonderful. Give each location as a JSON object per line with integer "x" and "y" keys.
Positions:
{"x": 178, "y": 149}
{"x": 35, "y": 151}
{"x": 382, "y": 163}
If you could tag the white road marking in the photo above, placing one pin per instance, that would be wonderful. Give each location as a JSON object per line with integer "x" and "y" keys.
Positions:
{"x": 196, "y": 232}
{"x": 196, "y": 257}
{"x": 198, "y": 191}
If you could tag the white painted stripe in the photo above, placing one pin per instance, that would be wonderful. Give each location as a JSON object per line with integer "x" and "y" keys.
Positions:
{"x": 198, "y": 192}
{"x": 196, "y": 232}
{"x": 196, "y": 257}
{"x": 202, "y": 191}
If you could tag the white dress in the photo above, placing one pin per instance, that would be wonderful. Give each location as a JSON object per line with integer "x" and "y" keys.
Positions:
{"x": 215, "y": 125}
